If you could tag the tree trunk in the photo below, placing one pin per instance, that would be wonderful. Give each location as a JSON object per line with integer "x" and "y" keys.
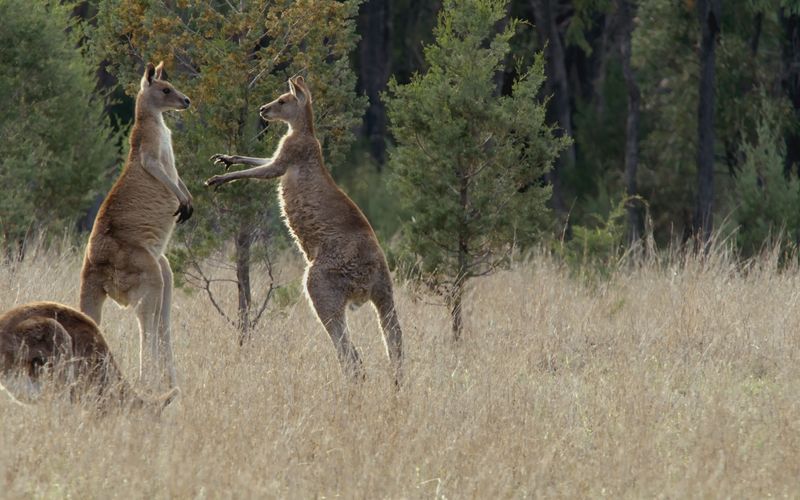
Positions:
{"x": 708, "y": 11}
{"x": 791, "y": 85}
{"x": 374, "y": 56}
{"x": 758, "y": 23}
{"x": 243, "y": 243}
{"x": 601, "y": 55}
{"x": 455, "y": 309}
{"x": 635, "y": 225}
{"x": 457, "y": 292}
{"x": 544, "y": 12}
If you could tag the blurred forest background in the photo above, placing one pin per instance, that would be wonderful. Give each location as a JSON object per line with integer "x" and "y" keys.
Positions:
{"x": 612, "y": 124}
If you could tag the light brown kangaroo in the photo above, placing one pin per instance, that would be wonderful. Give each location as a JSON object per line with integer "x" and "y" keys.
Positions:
{"x": 47, "y": 338}
{"x": 345, "y": 263}
{"x": 125, "y": 257}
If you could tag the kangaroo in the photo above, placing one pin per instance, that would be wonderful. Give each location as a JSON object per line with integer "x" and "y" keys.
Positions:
{"x": 43, "y": 338}
{"x": 125, "y": 256}
{"x": 345, "y": 263}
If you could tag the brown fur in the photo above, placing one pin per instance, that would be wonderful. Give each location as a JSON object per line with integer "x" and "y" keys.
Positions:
{"x": 125, "y": 257}
{"x": 345, "y": 261}
{"x": 47, "y": 338}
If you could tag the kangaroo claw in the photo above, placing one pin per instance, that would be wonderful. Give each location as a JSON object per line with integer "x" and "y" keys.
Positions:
{"x": 215, "y": 181}
{"x": 224, "y": 160}
{"x": 184, "y": 212}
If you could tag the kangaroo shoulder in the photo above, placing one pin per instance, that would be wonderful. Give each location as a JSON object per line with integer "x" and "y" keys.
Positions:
{"x": 301, "y": 147}
{"x": 148, "y": 136}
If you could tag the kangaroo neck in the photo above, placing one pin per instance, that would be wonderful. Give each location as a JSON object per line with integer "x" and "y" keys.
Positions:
{"x": 295, "y": 132}
{"x": 303, "y": 142}
{"x": 303, "y": 124}
{"x": 144, "y": 113}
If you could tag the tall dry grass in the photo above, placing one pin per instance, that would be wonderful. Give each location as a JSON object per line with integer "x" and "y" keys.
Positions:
{"x": 677, "y": 379}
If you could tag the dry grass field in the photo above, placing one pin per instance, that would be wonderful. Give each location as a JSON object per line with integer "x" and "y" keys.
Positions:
{"x": 677, "y": 380}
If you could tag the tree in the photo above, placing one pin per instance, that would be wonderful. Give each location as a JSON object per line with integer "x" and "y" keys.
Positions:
{"x": 626, "y": 19}
{"x": 230, "y": 58}
{"x": 665, "y": 49}
{"x": 55, "y": 141}
{"x": 545, "y": 13}
{"x": 374, "y": 69}
{"x": 790, "y": 21}
{"x": 768, "y": 204}
{"x": 469, "y": 162}
{"x": 708, "y": 13}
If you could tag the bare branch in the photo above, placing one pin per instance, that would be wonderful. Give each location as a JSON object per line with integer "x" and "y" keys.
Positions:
{"x": 232, "y": 6}
{"x": 211, "y": 297}
{"x": 477, "y": 172}
{"x": 419, "y": 143}
{"x": 284, "y": 47}
{"x": 201, "y": 276}
{"x": 188, "y": 28}
{"x": 268, "y": 295}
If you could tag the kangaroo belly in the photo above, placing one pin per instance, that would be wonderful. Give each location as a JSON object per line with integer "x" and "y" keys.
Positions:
{"x": 325, "y": 223}
{"x": 140, "y": 213}
{"x": 301, "y": 216}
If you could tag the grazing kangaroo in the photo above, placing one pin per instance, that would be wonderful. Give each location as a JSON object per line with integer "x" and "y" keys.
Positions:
{"x": 345, "y": 263}
{"x": 47, "y": 338}
{"x": 125, "y": 257}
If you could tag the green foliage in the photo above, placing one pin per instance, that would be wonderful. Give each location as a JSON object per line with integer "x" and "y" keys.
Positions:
{"x": 468, "y": 161}
{"x": 768, "y": 203}
{"x": 369, "y": 190}
{"x": 596, "y": 248}
{"x": 55, "y": 142}
{"x": 288, "y": 294}
{"x": 792, "y": 7}
{"x": 230, "y": 58}
{"x": 583, "y": 21}
{"x": 665, "y": 55}
{"x": 600, "y": 132}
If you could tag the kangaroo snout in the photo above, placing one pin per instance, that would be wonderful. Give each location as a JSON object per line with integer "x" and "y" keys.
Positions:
{"x": 186, "y": 102}
{"x": 264, "y": 111}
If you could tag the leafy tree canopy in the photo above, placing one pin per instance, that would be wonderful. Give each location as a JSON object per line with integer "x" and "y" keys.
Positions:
{"x": 56, "y": 142}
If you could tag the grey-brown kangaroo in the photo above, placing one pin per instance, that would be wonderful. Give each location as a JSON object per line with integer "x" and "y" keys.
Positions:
{"x": 50, "y": 338}
{"x": 345, "y": 263}
{"x": 125, "y": 257}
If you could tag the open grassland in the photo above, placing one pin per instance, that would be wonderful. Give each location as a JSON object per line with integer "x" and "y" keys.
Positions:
{"x": 674, "y": 380}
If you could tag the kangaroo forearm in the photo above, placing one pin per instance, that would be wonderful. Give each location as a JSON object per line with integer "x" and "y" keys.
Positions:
{"x": 249, "y": 160}
{"x": 158, "y": 173}
{"x": 183, "y": 188}
{"x": 268, "y": 171}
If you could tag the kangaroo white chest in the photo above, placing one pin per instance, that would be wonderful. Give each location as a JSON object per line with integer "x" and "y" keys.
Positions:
{"x": 165, "y": 153}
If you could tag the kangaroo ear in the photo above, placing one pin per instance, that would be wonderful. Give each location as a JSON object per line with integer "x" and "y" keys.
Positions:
{"x": 161, "y": 74}
{"x": 292, "y": 89}
{"x": 300, "y": 89}
{"x": 149, "y": 73}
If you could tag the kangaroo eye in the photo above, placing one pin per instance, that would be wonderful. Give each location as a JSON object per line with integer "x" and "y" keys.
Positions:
{"x": 166, "y": 91}
{"x": 280, "y": 102}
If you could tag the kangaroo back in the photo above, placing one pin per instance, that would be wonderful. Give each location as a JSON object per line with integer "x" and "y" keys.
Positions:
{"x": 50, "y": 338}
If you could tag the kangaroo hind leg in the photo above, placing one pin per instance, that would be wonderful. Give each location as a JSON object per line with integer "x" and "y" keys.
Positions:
{"x": 330, "y": 303}
{"x": 147, "y": 292}
{"x": 383, "y": 300}
{"x": 93, "y": 293}
{"x": 166, "y": 361}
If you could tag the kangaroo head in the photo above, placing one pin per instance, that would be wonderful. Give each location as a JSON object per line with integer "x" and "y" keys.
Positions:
{"x": 291, "y": 107}
{"x": 157, "y": 93}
